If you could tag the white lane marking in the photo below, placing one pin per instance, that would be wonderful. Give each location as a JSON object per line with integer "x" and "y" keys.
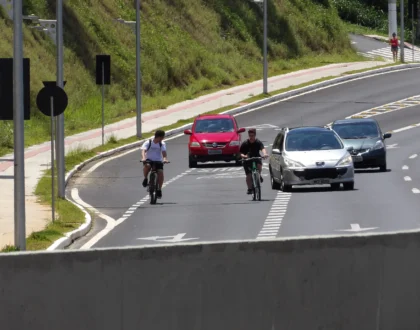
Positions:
{"x": 405, "y": 167}
{"x": 407, "y": 178}
{"x": 275, "y": 216}
{"x": 415, "y": 191}
{"x": 413, "y": 156}
{"x": 112, "y": 223}
{"x": 405, "y": 128}
{"x": 317, "y": 90}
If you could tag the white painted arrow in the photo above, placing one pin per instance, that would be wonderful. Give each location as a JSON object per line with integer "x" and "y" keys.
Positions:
{"x": 392, "y": 146}
{"x": 170, "y": 239}
{"x": 355, "y": 227}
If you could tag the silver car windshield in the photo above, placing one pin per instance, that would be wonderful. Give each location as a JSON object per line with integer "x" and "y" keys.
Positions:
{"x": 308, "y": 141}
{"x": 356, "y": 130}
{"x": 214, "y": 125}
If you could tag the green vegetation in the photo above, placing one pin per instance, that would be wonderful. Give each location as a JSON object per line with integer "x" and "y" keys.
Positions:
{"x": 188, "y": 48}
{"x": 371, "y": 17}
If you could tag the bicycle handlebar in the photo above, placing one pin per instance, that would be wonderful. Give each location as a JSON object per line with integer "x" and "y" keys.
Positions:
{"x": 252, "y": 158}
{"x": 153, "y": 161}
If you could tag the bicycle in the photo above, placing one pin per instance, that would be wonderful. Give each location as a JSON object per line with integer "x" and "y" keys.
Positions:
{"x": 153, "y": 182}
{"x": 256, "y": 183}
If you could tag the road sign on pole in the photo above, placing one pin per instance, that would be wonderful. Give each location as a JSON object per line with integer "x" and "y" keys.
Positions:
{"x": 52, "y": 101}
{"x": 6, "y": 89}
{"x": 103, "y": 77}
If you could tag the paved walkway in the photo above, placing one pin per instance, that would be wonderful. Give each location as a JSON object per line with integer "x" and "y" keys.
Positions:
{"x": 37, "y": 158}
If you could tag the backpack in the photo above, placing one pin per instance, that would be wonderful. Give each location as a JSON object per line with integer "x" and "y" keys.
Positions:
{"x": 150, "y": 144}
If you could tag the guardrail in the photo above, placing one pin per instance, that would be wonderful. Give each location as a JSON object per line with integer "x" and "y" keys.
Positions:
{"x": 347, "y": 283}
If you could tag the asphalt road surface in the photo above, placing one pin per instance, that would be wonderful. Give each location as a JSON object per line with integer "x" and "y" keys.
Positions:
{"x": 210, "y": 203}
{"x": 365, "y": 44}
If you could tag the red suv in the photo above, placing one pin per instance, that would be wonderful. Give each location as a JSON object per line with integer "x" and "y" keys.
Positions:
{"x": 214, "y": 138}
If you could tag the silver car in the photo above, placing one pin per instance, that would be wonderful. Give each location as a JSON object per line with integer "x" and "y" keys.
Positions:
{"x": 310, "y": 156}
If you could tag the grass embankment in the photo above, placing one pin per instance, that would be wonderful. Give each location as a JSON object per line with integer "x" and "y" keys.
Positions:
{"x": 69, "y": 216}
{"x": 188, "y": 48}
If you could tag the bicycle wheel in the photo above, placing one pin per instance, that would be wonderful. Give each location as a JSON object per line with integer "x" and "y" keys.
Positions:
{"x": 152, "y": 188}
{"x": 254, "y": 186}
{"x": 257, "y": 186}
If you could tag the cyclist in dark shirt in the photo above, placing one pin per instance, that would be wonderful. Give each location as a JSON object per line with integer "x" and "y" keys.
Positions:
{"x": 251, "y": 148}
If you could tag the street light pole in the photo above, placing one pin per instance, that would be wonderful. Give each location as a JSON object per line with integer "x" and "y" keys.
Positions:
{"x": 18, "y": 121}
{"x": 402, "y": 30}
{"x": 138, "y": 71}
{"x": 265, "y": 84}
{"x": 60, "y": 152}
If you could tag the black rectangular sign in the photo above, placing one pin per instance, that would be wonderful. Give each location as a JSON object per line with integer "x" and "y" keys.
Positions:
{"x": 103, "y": 61}
{"x": 6, "y": 89}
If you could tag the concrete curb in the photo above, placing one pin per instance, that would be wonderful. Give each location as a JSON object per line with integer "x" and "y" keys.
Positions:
{"x": 84, "y": 229}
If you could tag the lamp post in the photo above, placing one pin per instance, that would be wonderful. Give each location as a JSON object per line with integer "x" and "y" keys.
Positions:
{"x": 18, "y": 121}
{"x": 135, "y": 25}
{"x": 263, "y": 3}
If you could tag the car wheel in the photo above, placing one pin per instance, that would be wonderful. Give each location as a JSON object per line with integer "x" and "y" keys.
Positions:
{"x": 335, "y": 186}
{"x": 284, "y": 187}
{"x": 192, "y": 164}
{"x": 274, "y": 185}
{"x": 382, "y": 168}
{"x": 348, "y": 185}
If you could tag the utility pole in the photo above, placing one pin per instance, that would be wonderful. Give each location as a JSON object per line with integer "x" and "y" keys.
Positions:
{"x": 402, "y": 30}
{"x": 60, "y": 151}
{"x": 138, "y": 71}
{"x": 392, "y": 18}
{"x": 18, "y": 121}
{"x": 265, "y": 85}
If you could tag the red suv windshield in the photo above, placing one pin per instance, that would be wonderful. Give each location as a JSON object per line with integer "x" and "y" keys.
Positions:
{"x": 219, "y": 125}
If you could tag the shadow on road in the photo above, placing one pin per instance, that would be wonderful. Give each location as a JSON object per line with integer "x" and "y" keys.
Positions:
{"x": 319, "y": 189}
{"x": 364, "y": 171}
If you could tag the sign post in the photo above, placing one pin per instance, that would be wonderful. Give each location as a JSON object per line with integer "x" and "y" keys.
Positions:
{"x": 103, "y": 77}
{"x": 52, "y": 101}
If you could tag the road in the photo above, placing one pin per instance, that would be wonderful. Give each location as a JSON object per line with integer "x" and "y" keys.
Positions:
{"x": 365, "y": 44}
{"x": 210, "y": 204}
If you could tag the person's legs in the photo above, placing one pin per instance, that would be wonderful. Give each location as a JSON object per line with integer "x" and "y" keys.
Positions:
{"x": 146, "y": 170}
{"x": 248, "y": 178}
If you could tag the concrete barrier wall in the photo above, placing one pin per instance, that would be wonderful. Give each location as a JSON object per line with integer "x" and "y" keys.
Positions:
{"x": 351, "y": 283}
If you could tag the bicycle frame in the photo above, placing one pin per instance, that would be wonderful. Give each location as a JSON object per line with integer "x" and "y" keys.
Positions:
{"x": 256, "y": 186}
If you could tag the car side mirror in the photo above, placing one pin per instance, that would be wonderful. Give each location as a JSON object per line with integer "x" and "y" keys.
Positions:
{"x": 350, "y": 148}
{"x": 241, "y": 130}
{"x": 387, "y": 135}
{"x": 276, "y": 152}
{"x": 187, "y": 132}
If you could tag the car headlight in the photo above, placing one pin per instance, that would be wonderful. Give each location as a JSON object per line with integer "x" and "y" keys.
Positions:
{"x": 346, "y": 160}
{"x": 291, "y": 163}
{"x": 234, "y": 143}
{"x": 378, "y": 145}
{"x": 194, "y": 144}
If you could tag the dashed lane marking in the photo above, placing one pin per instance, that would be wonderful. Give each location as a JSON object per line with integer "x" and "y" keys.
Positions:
{"x": 275, "y": 217}
{"x": 407, "y": 178}
{"x": 413, "y": 156}
{"x": 415, "y": 191}
{"x": 405, "y": 167}
{"x": 112, "y": 223}
{"x": 387, "y": 108}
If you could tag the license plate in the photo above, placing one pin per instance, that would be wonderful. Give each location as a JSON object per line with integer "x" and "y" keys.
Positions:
{"x": 321, "y": 181}
{"x": 215, "y": 152}
{"x": 357, "y": 159}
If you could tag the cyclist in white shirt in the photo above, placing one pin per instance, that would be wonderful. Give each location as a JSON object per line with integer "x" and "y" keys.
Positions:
{"x": 152, "y": 150}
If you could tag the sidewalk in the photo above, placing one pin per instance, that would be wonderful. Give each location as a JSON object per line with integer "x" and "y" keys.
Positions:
{"x": 37, "y": 158}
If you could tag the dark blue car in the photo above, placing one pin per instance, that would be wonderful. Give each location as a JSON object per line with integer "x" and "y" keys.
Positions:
{"x": 367, "y": 140}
